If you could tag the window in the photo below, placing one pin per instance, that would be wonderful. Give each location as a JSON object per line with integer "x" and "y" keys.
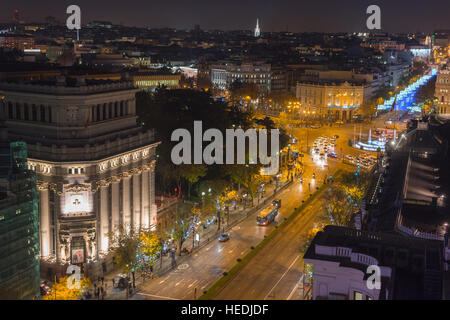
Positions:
{"x": 25, "y": 111}
{"x": 10, "y": 110}
{"x": 357, "y": 295}
{"x": 46, "y": 169}
{"x": 18, "y": 116}
{"x": 33, "y": 113}
{"x": 42, "y": 108}
{"x": 76, "y": 170}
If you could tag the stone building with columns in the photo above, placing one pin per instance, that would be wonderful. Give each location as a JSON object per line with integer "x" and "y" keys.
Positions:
{"x": 332, "y": 100}
{"x": 94, "y": 165}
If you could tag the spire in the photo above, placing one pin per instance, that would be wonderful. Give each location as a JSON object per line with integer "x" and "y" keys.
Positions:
{"x": 257, "y": 30}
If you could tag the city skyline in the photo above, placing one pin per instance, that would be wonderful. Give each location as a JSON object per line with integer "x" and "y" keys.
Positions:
{"x": 273, "y": 16}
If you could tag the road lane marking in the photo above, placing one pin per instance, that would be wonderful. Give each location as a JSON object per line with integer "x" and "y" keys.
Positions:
{"x": 295, "y": 287}
{"x": 192, "y": 283}
{"x": 231, "y": 251}
{"x": 155, "y": 296}
{"x": 293, "y": 262}
{"x": 176, "y": 284}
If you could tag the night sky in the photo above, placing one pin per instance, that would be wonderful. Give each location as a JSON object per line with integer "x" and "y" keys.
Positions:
{"x": 274, "y": 15}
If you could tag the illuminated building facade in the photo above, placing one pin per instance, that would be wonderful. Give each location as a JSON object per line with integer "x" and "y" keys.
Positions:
{"x": 332, "y": 100}
{"x": 19, "y": 42}
{"x": 443, "y": 92}
{"x": 257, "y": 74}
{"x": 152, "y": 81}
{"x": 94, "y": 165}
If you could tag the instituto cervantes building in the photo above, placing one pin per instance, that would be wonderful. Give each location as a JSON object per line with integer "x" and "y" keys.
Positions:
{"x": 95, "y": 167}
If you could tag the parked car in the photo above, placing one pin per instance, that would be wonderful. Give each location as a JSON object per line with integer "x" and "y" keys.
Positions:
{"x": 224, "y": 237}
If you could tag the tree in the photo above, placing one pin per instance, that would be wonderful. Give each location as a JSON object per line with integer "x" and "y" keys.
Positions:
{"x": 355, "y": 186}
{"x": 124, "y": 248}
{"x": 192, "y": 173}
{"x": 338, "y": 208}
{"x": 62, "y": 291}
{"x": 149, "y": 245}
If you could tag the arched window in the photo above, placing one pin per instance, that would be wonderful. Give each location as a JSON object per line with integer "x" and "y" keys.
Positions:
{"x": 116, "y": 113}
{"x": 121, "y": 108}
{"x": 104, "y": 112}
{"x": 50, "y": 114}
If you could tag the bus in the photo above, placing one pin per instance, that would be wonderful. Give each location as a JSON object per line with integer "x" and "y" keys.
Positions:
{"x": 267, "y": 215}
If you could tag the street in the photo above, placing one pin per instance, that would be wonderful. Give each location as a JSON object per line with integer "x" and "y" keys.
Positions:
{"x": 207, "y": 265}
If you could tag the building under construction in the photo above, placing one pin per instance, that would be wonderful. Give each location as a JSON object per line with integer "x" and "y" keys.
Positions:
{"x": 19, "y": 230}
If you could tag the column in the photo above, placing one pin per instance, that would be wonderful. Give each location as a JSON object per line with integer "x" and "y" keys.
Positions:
{"x": 115, "y": 221}
{"x": 126, "y": 201}
{"x": 44, "y": 232}
{"x": 136, "y": 201}
{"x": 152, "y": 204}
{"x": 104, "y": 221}
{"x": 145, "y": 195}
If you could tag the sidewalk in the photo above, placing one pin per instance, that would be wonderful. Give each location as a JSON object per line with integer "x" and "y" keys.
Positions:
{"x": 206, "y": 235}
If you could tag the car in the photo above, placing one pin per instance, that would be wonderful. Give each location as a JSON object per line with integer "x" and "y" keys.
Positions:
{"x": 339, "y": 122}
{"x": 332, "y": 155}
{"x": 224, "y": 237}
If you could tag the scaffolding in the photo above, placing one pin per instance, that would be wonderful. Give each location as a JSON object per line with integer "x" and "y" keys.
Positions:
{"x": 19, "y": 228}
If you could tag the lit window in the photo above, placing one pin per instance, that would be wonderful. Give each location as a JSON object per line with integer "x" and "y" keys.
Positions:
{"x": 357, "y": 296}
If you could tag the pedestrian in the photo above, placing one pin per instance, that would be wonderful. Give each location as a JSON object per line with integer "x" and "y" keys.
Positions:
{"x": 98, "y": 279}
{"x": 98, "y": 293}
{"x": 101, "y": 290}
{"x": 103, "y": 279}
{"x": 113, "y": 282}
